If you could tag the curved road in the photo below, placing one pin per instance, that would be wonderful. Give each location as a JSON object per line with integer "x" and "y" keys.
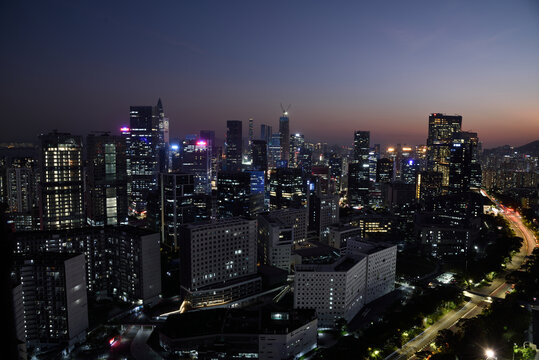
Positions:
{"x": 476, "y": 304}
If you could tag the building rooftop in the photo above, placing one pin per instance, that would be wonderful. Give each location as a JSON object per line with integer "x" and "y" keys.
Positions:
{"x": 235, "y": 321}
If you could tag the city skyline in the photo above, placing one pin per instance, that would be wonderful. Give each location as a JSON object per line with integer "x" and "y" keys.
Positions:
{"x": 356, "y": 66}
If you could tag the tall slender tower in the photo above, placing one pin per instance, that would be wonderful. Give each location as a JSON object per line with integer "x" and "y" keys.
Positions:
{"x": 284, "y": 131}
{"x": 143, "y": 156}
{"x": 61, "y": 186}
{"x": 234, "y": 139}
{"x": 442, "y": 128}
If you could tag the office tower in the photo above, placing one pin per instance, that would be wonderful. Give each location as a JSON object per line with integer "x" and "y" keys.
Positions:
{"x": 409, "y": 171}
{"x": 362, "y": 147}
{"x": 298, "y": 219}
{"x": 442, "y": 128}
{"x": 335, "y": 290}
{"x": 287, "y": 189}
{"x": 336, "y": 170}
{"x": 21, "y": 196}
{"x": 209, "y": 137}
{"x": 259, "y": 155}
{"x": 61, "y": 186}
{"x": 358, "y": 186}
{"x": 460, "y": 161}
{"x": 284, "y": 132}
{"x": 266, "y": 133}
{"x": 177, "y": 193}
{"x": 428, "y": 185}
{"x": 274, "y": 150}
{"x": 373, "y": 164}
{"x": 53, "y": 297}
{"x": 218, "y": 262}
{"x": 175, "y": 155}
{"x": 234, "y": 139}
{"x": 384, "y": 170}
{"x": 164, "y": 137}
{"x": 323, "y": 212}
{"x": 275, "y": 241}
{"x": 257, "y": 199}
{"x": 196, "y": 160}
{"x": 143, "y": 157}
{"x": 107, "y": 201}
{"x": 251, "y": 130}
{"x": 297, "y": 143}
{"x": 234, "y": 194}
{"x": 122, "y": 262}
{"x": 473, "y": 144}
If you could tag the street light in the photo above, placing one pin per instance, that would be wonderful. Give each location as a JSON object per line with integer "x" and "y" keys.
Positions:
{"x": 489, "y": 353}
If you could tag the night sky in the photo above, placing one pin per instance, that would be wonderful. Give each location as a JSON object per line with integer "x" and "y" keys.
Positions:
{"x": 381, "y": 66}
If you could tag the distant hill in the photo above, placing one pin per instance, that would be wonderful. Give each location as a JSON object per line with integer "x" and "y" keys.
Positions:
{"x": 530, "y": 148}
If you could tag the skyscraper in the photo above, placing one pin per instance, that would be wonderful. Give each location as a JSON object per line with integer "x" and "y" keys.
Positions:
{"x": 442, "y": 128}
{"x": 61, "y": 185}
{"x": 196, "y": 160}
{"x": 143, "y": 156}
{"x": 284, "y": 132}
{"x": 106, "y": 180}
{"x": 164, "y": 137}
{"x": 287, "y": 189}
{"x": 234, "y": 140}
{"x": 259, "y": 151}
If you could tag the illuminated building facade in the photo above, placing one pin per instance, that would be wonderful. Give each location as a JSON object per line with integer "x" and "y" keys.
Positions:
{"x": 442, "y": 129}
{"x": 143, "y": 157}
{"x": 218, "y": 261}
{"x": 287, "y": 189}
{"x": 197, "y": 160}
{"x": 53, "y": 297}
{"x": 107, "y": 201}
{"x": 284, "y": 132}
{"x": 61, "y": 186}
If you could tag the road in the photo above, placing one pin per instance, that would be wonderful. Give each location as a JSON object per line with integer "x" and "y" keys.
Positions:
{"x": 477, "y": 303}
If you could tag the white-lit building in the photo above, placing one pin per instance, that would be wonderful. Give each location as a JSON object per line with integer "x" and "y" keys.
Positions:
{"x": 381, "y": 266}
{"x": 218, "y": 261}
{"x": 335, "y": 290}
{"x": 340, "y": 288}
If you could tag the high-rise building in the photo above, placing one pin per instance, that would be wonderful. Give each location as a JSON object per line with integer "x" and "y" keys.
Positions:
{"x": 298, "y": 219}
{"x": 323, "y": 212}
{"x": 287, "y": 189}
{"x": 259, "y": 151}
{"x": 362, "y": 147}
{"x": 428, "y": 184}
{"x": 53, "y": 297}
{"x": 274, "y": 150}
{"x": 22, "y": 194}
{"x": 234, "y": 194}
{"x": 197, "y": 160}
{"x": 234, "y": 139}
{"x": 358, "y": 185}
{"x": 143, "y": 157}
{"x": 284, "y": 132}
{"x": 297, "y": 143}
{"x": 107, "y": 201}
{"x": 266, "y": 133}
{"x": 442, "y": 128}
{"x": 61, "y": 186}
{"x": 218, "y": 262}
{"x": 177, "y": 197}
{"x": 164, "y": 137}
{"x": 275, "y": 241}
{"x": 122, "y": 262}
{"x": 384, "y": 170}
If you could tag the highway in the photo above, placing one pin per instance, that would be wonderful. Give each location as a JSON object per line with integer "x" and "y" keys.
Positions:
{"x": 477, "y": 303}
